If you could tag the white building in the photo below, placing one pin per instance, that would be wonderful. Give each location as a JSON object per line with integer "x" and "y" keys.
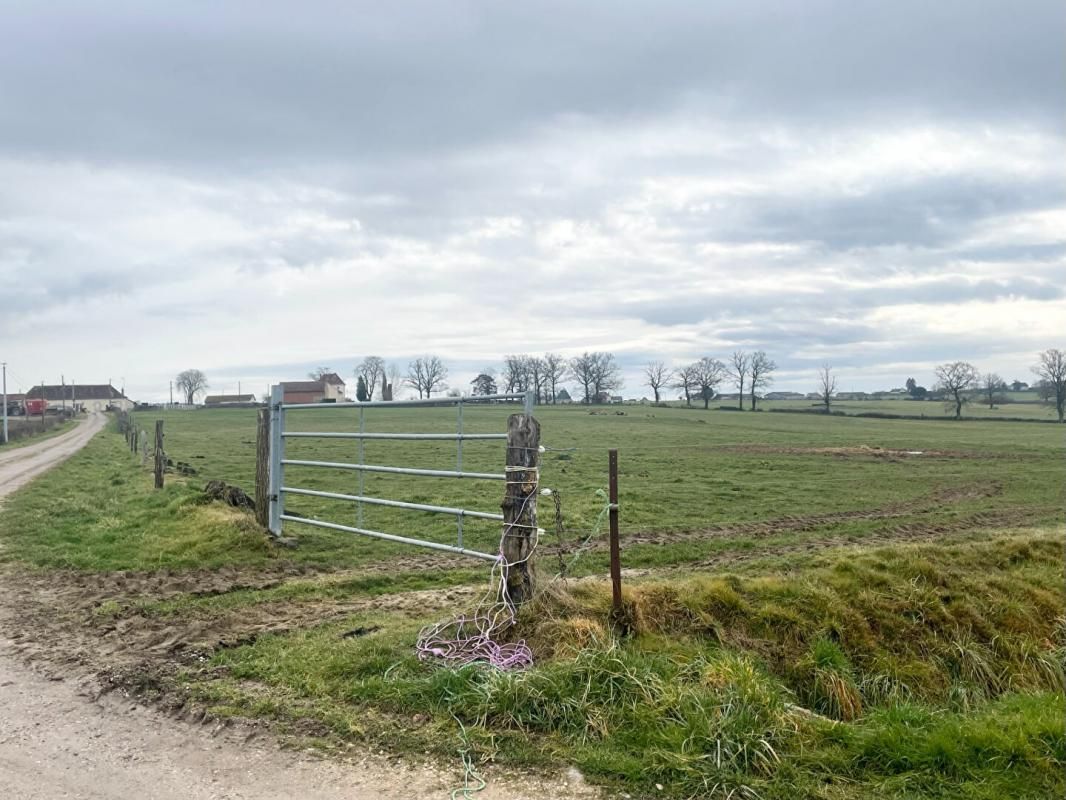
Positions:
{"x": 91, "y": 397}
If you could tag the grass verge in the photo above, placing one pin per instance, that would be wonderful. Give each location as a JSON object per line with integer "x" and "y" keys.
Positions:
{"x": 912, "y": 672}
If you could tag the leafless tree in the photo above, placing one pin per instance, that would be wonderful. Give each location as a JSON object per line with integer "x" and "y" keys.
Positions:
{"x": 1051, "y": 369}
{"x": 685, "y": 380}
{"x": 318, "y": 373}
{"x": 598, "y": 373}
{"x": 426, "y": 374}
{"x": 955, "y": 379}
{"x": 395, "y": 379}
{"x": 371, "y": 371}
{"x": 554, "y": 374}
{"x": 708, "y": 373}
{"x": 738, "y": 371}
{"x": 191, "y": 382}
{"x": 516, "y": 372}
{"x": 657, "y": 376}
{"x": 827, "y": 385}
{"x": 759, "y": 368}
{"x": 990, "y": 384}
{"x": 536, "y": 376}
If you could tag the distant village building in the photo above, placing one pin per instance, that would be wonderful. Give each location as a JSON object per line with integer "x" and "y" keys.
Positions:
{"x": 327, "y": 389}
{"x": 228, "y": 399}
{"x": 783, "y": 396}
{"x": 88, "y": 397}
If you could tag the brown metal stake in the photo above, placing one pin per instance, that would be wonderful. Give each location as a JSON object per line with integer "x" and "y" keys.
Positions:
{"x": 616, "y": 562}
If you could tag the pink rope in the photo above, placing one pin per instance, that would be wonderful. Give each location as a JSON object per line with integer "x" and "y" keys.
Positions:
{"x": 472, "y": 639}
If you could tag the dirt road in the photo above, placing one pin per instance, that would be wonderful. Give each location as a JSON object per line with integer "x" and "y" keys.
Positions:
{"x": 61, "y": 738}
{"x": 22, "y": 464}
{"x": 57, "y": 742}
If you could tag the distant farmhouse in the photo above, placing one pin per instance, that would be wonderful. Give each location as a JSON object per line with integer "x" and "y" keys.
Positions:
{"x": 327, "y": 389}
{"x": 228, "y": 399}
{"x": 89, "y": 397}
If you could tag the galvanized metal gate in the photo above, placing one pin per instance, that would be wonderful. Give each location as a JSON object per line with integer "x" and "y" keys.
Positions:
{"x": 280, "y": 434}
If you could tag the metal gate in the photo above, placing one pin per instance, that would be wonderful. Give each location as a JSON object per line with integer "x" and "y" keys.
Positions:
{"x": 280, "y": 434}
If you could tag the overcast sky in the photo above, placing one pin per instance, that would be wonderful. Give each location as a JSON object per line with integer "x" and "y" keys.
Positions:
{"x": 256, "y": 188}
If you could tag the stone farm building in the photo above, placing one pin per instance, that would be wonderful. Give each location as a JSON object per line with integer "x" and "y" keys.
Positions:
{"x": 229, "y": 399}
{"x": 327, "y": 389}
{"x": 87, "y": 397}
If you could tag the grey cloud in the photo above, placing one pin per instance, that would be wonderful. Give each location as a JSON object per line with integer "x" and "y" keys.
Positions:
{"x": 250, "y": 84}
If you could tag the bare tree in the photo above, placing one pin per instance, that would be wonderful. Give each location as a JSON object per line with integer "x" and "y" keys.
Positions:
{"x": 685, "y": 380}
{"x": 1051, "y": 368}
{"x": 759, "y": 368}
{"x": 371, "y": 370}
{"x": 990, "y": 384}
{"x": 318, "y": 373}
{"x": 741, "y": 365}
{"x": 554, "y": 373}
{"x": 536, "y": 376}
{"x": 657, "y": 376}
{"x": 597, "y": 373}
{"x": 516, "y": 372}
{"x": 426, "y": 374}
{"x": 708, "y": 373}
{"x": 827, "y": 385}
{"x": 956, "y": 379}
{"x": 191, "y": 382}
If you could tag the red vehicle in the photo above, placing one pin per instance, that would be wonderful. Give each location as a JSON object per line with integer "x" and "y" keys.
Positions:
{"x": 35, "y": 406}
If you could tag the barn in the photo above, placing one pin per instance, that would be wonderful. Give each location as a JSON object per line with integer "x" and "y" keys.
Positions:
{"x": 327, "y": 389}
{"x": 88, "y": 397}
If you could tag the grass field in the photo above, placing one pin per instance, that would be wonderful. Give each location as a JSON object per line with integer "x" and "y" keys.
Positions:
{"x": 830, "y": 607}
{"x": 23, "y": 431}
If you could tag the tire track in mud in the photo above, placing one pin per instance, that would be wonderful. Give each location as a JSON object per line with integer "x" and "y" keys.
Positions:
{"x": 100, "y": 622}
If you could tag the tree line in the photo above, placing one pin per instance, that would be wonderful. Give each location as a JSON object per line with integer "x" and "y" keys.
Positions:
{"x": 598, "y": 374}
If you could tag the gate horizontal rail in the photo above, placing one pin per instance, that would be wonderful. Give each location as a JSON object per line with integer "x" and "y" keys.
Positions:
{"x": 381, "y": 501}
{"x": 421, "y": 437}
{"x": 390, "y": 537}
{"x": 429, "y": 473}
{"x": 440, "y": 401}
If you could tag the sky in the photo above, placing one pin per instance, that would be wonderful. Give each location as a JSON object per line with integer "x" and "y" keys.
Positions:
{"x": 257, "y": 188}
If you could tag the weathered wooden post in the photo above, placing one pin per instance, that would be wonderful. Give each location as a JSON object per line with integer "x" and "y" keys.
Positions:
{"x": 262, "y": 468}
{"x": 160, "y": 455}
{"x": 144, "y": 448}
{"x": 520, "y": 505}
{"x": 616, "y": 560}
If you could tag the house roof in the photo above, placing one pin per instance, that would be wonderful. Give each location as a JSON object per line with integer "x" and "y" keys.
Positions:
{"x": 333, "y": 378}
{"x": 76, "y": 390}
{"x": 302, "y": 386}
{"x": 229, "y": 398}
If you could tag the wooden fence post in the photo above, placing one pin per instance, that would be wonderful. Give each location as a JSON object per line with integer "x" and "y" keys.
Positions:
{"x": 144, "y": 448}
{"x": 520, "y": 506}
{"x": 160, "y": 456}
{"x": 262, "y": 468}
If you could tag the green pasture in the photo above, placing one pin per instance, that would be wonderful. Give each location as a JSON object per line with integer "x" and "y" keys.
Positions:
{"x": 819, "y": 606}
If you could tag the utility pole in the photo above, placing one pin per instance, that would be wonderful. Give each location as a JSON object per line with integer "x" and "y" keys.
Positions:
{"x": 172, "y": 394}
{"x": 63, "y": 392}
{"x": 4, "y": 366}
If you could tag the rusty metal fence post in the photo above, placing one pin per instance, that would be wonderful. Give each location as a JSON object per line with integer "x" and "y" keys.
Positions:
{"x": 616, "y": 559}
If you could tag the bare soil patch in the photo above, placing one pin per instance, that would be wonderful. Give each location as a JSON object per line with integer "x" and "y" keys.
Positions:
{"x": 861, "y": 451}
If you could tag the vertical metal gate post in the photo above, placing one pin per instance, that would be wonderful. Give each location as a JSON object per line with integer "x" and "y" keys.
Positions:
{"x": 277, "y": 395}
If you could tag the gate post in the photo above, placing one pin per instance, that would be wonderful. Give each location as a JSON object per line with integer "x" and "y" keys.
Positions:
{"x": 262, "y": 467}
{"x": 277, "y": 396}
{"x": 520, "y": 506}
